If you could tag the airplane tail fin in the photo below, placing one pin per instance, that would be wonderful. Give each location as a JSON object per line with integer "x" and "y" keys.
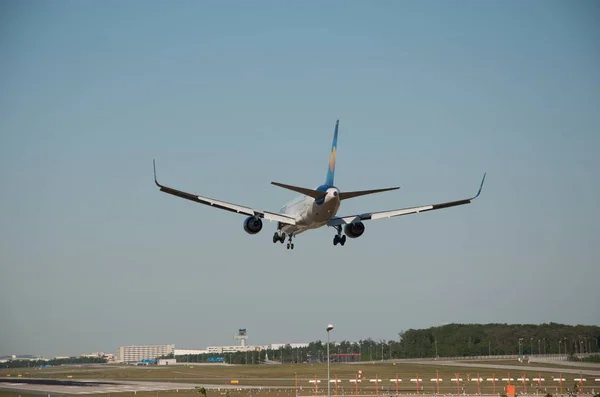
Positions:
{"x": 331, "y": 169}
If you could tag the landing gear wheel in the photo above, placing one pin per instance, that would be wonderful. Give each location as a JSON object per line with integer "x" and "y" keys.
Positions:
{"x": 337, "y": 239}
{"x": 290, "y": 245}
{"x": 277, "y": 237}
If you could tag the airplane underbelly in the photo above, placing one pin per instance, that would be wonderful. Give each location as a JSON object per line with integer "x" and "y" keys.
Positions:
{"x": 322, "y": 213}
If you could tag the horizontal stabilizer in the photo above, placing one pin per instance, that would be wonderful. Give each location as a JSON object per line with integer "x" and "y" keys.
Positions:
{"x": 347, "y": 195}
{"x": 307, "y": 192}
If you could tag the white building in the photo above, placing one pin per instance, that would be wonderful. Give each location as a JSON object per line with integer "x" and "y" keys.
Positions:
{"x": 276, "y": 346}
{"x": 230, "y": 349}
{"x": 184, "y": 352}
{"x": 129, "y": 354}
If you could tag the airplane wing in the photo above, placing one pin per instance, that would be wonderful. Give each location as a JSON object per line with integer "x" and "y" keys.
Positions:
{"x": 336, "y": 221}
{"x": 271, "y": 216}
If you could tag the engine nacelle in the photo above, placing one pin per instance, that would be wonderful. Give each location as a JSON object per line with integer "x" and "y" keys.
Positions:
{"x": 354, "y": 230}
{"x": 253, "y": 225}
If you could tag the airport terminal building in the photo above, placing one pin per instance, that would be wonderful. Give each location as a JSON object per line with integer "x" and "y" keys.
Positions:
{"x": 129, "y": 354}
{"x": 137, "y": 353}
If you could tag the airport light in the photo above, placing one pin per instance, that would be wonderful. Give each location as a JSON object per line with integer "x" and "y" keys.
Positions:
{"x": 329, "y": 328}
{"x": 559, "y": 342}
{"x": 544, "y": 339}
{"x": 531, "y": 346}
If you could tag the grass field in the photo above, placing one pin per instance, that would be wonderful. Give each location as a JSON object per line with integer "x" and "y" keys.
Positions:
{"x": 298, "y": 377}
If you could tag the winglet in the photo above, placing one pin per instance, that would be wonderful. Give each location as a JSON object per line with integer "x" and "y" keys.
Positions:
{"x": 154, "y": 165}
{"x": 480, "y": 187}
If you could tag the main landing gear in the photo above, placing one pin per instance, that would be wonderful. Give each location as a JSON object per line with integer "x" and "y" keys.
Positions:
{"x": 277, "y": 237}
{"x": 338, "y": 238}
{"x": 281, "y": 238}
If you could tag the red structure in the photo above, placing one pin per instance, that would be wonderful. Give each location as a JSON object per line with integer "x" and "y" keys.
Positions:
{"x": 344, "y": 357}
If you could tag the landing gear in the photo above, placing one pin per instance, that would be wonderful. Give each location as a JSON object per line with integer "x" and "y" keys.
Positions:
{"x": 338, "y": 238}
{"x": 281, "y": 238}
{"x": 277, "y": 237}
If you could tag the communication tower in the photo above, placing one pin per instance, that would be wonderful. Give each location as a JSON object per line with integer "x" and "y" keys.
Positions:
{"x": 242, "y": 336}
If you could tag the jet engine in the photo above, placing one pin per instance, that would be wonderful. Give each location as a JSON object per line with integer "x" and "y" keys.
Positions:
{"x": 253, "y": 225}
{"x": 354, "y": 230}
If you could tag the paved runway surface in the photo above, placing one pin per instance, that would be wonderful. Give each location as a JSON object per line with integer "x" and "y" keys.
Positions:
{"x": 593, "y": 371}
{"x": 55, "y": 386}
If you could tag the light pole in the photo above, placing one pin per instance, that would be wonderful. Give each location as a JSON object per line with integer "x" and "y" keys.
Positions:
{"x": 531, "y": 346}
{"x": 520, "y": 352}
{"x": 329, "y": 328}
{"x": 559, "y": 343}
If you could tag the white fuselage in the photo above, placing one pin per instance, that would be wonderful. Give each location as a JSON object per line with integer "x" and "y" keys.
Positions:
{"x": 308, "y": 213}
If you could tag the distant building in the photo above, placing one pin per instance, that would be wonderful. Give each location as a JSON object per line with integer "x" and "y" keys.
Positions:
{"x": 185, "y": 352}
{"x": 136, "y": 353}
{"x": 231, "y": 349}
{"x": 22, "y": 357}
{"x": 108, "y": 356}
{"x": 167, "y": 361}
{"x": 275, "y": 346}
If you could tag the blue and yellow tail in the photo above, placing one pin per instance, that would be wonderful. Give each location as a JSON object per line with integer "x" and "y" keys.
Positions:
{"x": 319, "y": 193}
{"x": 331, "y": 169}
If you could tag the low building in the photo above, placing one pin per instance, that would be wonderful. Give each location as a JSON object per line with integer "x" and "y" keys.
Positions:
{"x": 136, "y": 353}
{"x": 185, "y": 352}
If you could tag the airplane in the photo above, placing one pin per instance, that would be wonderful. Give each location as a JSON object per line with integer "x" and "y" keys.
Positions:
{"x": 314, "y": 208}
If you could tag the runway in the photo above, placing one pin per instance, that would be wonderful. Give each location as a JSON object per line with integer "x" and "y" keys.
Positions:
{"x": 592, "y": 370}
{"x": 50, "y": 387}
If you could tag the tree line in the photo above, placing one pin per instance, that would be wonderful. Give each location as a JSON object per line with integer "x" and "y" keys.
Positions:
{"x": 21, "y": 363}
{"x": 451, "y": 340}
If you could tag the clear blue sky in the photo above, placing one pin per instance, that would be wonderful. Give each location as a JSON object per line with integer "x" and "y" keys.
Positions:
{"x": 229, "y": 96}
